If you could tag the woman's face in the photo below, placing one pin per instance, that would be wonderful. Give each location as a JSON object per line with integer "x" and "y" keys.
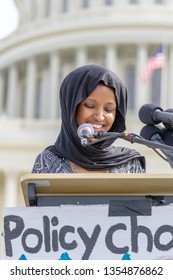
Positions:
{"x": 98, "y": 109}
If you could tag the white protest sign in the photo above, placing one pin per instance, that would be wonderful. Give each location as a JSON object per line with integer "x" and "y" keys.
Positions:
{"x": 86, "y": 232}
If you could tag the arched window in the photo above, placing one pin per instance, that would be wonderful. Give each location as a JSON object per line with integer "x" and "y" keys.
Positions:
{"x": 3, "y": 101}
{"x": 48, "y": 7}
{"x": 85, "y": 4}
{"x": 109, "y": 2}
{"x": 156, "y": 87}
{"x": 22, "y": 99}
{"x": 65, "y": 6}
{"x": 38, "y": 97}
{"x": 134, "y": 1}
{"x": 159, "y": 2}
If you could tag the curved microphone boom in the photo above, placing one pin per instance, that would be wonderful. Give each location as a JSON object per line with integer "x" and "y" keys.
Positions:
{"x": 130, "y": 137}
{"x": 85, "y": 131}
{"x": 150, "y": 136}
{"x": 152, "y": 114}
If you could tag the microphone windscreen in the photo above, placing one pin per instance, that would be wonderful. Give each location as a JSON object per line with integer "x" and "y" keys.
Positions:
{"x": 146, "y": 114}
{"x": 85, "y": 130}
{"x": 149, "y": 130}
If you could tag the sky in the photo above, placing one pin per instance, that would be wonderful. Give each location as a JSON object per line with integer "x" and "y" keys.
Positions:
{"x": 8, "y": 17}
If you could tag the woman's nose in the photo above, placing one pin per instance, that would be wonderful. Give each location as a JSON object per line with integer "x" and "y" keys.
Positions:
{"x": 99, "y": 115}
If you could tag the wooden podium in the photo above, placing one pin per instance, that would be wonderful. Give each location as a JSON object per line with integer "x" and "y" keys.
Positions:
{"x": 91, "y": 216}
{"x": 56, "y": 189}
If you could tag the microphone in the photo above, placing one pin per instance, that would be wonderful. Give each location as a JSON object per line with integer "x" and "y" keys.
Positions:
{"x": 85, "y": 131}
{"x": 168, "y": 137}
{"x": 155, "y": 134}
{"x": 152, "y": 114}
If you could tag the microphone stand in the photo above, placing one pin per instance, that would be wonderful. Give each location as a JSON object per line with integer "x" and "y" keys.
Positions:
{"x": 134, "y": 138}
{"x": 130, "y": 137}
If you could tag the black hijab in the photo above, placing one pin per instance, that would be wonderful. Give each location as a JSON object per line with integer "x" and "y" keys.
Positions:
{"x": 76, "y": 87}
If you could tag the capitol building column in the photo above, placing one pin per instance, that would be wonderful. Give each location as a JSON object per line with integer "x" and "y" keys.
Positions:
{"x": 27, "y": 7}
{"x": 10, "y": 190}
{"x": 43, "y": 103}
{"x": 40, "y": 8}
{"x": 111, "y": 58}
{"x": 165, "y": 91}
{"x": 12, "y": 91}
{"x": 142, "y": 90}
{"x": 31, "y": 79}
{"x": 170, "y": 79}
{"x": 54, "y": 80}
{"x": 55, "y": 8}
{"x": 2, "y": 87}
{"x": 81, "y": 56}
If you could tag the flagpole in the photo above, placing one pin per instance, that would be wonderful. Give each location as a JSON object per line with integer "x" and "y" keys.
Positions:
{"x": 163, "y": 85}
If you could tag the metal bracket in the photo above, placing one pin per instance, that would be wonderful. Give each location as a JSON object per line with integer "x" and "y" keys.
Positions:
{"x": 32, "y": 197}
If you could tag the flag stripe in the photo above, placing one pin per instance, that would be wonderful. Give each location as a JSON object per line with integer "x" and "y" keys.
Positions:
{"x": 156, "y": 61}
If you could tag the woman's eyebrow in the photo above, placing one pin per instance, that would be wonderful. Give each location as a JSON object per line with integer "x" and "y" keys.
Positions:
{"x": 92, "y": 99}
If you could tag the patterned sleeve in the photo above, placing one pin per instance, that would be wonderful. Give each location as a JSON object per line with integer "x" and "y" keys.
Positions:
{"x": 132, "y": 166}
{"x": 47, "y": 162}
{"x": 136, "y": 167}
{"x": 39, "y": 165}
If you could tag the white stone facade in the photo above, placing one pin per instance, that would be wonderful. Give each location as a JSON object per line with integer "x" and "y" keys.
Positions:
{"x": 56, "y": 36}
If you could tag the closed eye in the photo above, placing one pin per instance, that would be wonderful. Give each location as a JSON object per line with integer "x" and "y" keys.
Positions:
{"x": 89, "y": 106}
{"x": 110, "y": 110}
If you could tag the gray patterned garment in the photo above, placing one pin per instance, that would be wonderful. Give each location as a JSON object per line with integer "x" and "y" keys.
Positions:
{"x": 48, "y": 162}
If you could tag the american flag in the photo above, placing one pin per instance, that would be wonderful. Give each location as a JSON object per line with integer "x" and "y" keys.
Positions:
{"x": 156, "y": 61}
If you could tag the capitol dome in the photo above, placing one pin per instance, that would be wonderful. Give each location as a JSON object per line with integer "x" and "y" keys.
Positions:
{"x": 54, "y": 37}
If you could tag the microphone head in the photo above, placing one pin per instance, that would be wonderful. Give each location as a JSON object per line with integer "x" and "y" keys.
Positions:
{"x": 149, "y": 130}
{"x": 85, "y": 130}
{"x": 146, "y": 114}
{"x": 169, "y": 125}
